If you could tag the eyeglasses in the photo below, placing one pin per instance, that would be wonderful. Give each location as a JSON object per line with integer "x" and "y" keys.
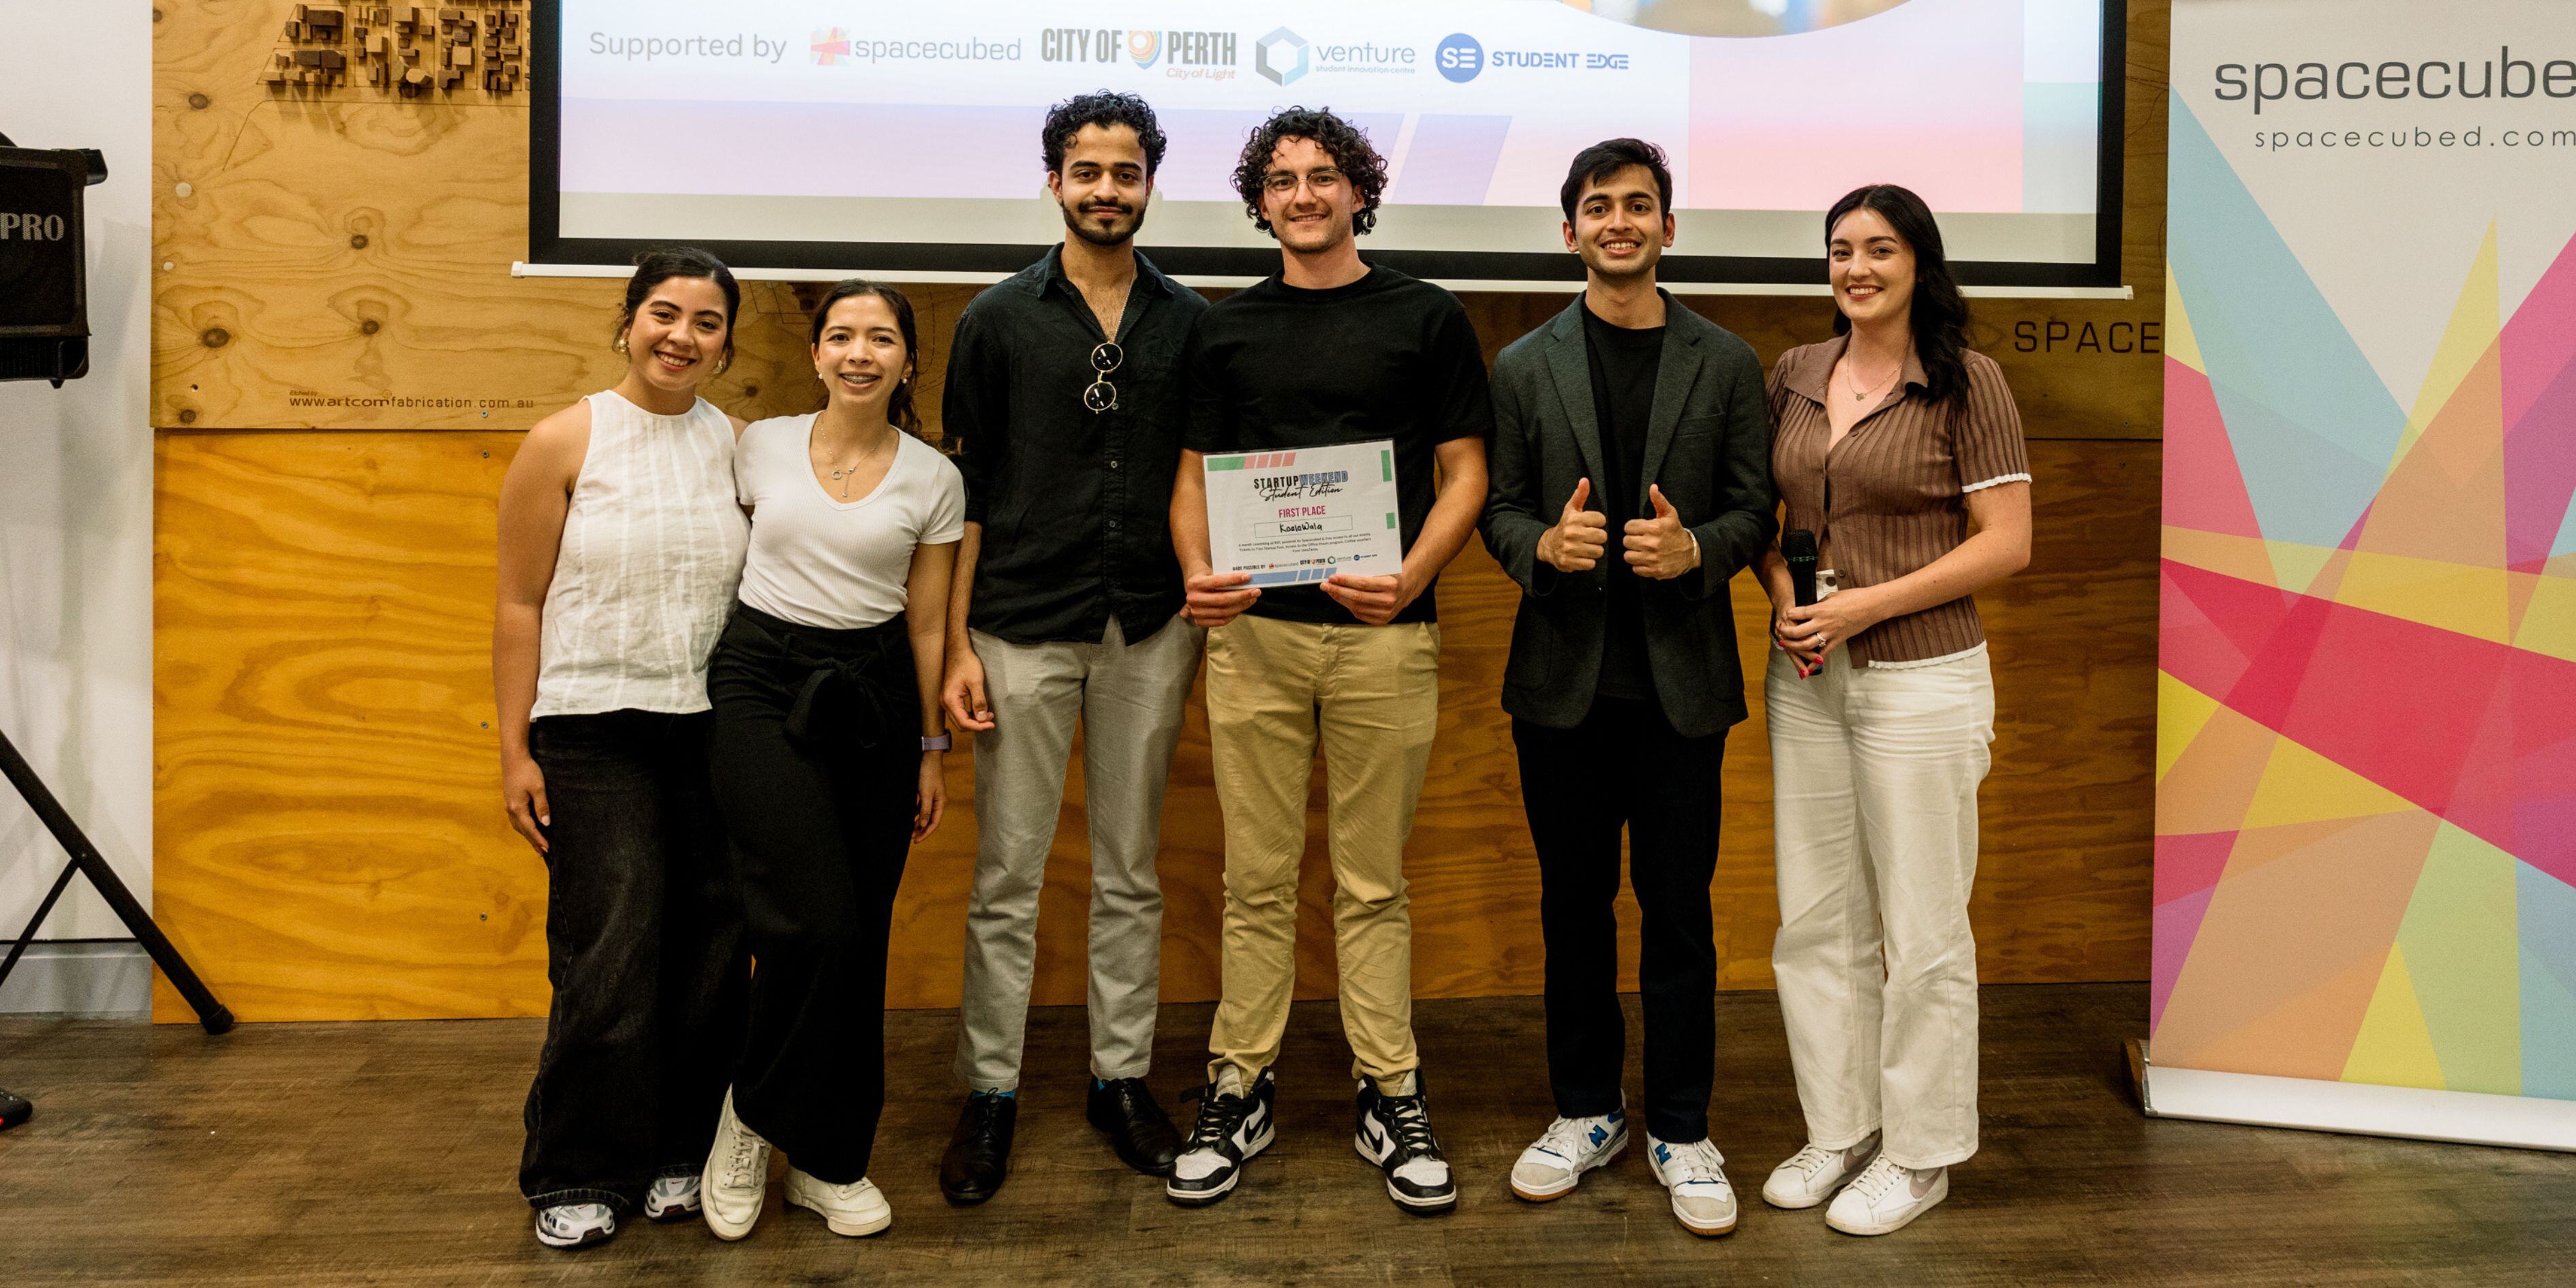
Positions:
{"x": 1101, "y": 395}
{"x": 1280, "y": 183}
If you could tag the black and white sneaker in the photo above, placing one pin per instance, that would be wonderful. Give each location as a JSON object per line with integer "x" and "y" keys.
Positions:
{"x": 1395, "y": 1134}
{"x": 1233, "y": 1126}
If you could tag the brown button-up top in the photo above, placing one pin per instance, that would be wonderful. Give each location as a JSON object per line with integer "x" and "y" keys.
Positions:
{"x": 1892, "y": 496}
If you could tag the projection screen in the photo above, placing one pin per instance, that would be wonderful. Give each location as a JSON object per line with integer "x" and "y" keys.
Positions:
{"x": 902, "y": 139}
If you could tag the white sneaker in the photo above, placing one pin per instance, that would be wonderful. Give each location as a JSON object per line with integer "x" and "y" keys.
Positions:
{"x": 1886, "y": 1197}
{"x": 737, "y": 1176}
{"x": 1811, "y": 1175}
{"x": 575, "y": 1225}
{"x": 1569, "y": 1147}
{"x": 672, "y": 1198}
{"x": 855, "y": 1209}
{"x": 1696, "y": 1175}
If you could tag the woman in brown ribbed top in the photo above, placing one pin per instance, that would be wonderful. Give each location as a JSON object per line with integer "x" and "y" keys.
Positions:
{"x": 1902, "y": 452}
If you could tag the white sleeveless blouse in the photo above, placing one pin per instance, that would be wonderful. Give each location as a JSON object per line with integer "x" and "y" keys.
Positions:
{"x": 652, "y": 551}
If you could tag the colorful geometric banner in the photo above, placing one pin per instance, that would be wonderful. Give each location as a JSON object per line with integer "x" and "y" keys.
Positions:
{"x": 2366, "y": 752}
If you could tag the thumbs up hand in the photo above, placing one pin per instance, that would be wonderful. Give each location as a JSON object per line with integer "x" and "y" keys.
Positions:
{"x": 1660, "y": 547}
{"x": 1579, "y": 537}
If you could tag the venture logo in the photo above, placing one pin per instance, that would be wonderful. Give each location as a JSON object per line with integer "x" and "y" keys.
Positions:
{"x": 31, "y": 226}
{"x": 1284, "y": 56}
{"x": 1281, "y": 56}
{"x": 831, "y": 45}
{"x": 1459, "y": 58}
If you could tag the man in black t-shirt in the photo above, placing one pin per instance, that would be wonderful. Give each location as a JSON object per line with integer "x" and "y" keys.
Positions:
{"x": 1631, "y": 480}
{"x": 1330, "y": 351}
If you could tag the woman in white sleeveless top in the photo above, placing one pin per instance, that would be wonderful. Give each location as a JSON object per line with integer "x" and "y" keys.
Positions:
{"x": 828, "y": 736}
{"x": 620, "y": 549}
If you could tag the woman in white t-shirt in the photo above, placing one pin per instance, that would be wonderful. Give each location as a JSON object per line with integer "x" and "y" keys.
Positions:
{"x": 828, "y": 742}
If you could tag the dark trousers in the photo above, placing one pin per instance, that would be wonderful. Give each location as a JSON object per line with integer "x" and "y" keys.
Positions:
{"x": 644, "y": 949}
{"x": 817, "y": 763}
{"x": 1625, "y": 766}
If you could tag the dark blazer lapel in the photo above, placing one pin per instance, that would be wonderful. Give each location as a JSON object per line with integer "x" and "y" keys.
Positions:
{"x": 1570, "y": 368}
{"x": 1674, "y": 377}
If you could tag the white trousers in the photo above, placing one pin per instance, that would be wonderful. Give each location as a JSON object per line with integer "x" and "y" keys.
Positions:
{"x": 1874, "y": 787}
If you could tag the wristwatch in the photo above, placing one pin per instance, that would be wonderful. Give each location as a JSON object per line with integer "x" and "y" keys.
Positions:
{"x": 939, "y": 743}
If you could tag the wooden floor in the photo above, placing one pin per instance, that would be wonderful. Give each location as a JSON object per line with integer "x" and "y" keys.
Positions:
{"x": 384, "y": 1154}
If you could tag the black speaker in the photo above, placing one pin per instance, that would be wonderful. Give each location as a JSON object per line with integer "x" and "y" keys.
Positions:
{"x": 44, "y": 290}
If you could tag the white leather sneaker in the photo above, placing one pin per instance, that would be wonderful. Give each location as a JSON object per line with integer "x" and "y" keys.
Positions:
{"x": 1569, "y": 1147}
{"x": 1886, "y": 1197}
{"x": 856, "y": 1209}
{"x": 1811, "y": 1175}
{"x": 672, "y": 1198}
{"x": 1695, "y": 1173}
{"x": 737, "y": 1176}
{"x": 575, "y": 1225}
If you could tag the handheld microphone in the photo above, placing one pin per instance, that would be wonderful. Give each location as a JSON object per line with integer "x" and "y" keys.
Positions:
{"x": 1798, "y": 550}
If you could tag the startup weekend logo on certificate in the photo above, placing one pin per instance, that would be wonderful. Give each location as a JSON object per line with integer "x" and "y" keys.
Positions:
{"x": 1303, "y": 515}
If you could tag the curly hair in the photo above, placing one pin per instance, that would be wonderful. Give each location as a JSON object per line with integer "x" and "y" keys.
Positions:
{"x": 1103, "y": 108}
{"x": 1346, "y": 143}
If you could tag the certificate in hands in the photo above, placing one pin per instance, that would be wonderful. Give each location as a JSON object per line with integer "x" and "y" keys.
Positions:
{"x": 1301, "y": 516}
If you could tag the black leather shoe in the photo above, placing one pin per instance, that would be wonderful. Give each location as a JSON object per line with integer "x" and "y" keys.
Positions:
{"x": 979, "y": 1155}
{"x": 1144, "y": 1138}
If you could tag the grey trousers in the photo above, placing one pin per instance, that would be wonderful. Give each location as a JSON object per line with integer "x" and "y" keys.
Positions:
{"x": 1128, "y": 698}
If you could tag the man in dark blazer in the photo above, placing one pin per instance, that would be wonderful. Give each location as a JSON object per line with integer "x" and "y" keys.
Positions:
{"x": 1631, "y": 478}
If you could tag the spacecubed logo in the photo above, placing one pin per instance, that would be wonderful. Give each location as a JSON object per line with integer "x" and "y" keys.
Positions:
{"x": 1281, "y": 56}
{"x": 1459, "y": 58}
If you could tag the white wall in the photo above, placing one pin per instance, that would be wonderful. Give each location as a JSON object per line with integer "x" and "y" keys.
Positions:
{"x": 76, "y": 502}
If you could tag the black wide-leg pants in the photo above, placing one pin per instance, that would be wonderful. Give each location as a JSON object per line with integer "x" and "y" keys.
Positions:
{"x": 817, "y": 764}
{"x": 644, "y": 950}
{"x": 1625, "y": 767}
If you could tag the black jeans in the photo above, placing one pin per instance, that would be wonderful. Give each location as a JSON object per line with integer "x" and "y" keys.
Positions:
{"x": 644, "y": 949}
{"x": 1625, "y": 766}
{"x": 817, "y": 762}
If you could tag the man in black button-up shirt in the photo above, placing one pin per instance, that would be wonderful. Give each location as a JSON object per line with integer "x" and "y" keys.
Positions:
{"x": 1063, "y": 400}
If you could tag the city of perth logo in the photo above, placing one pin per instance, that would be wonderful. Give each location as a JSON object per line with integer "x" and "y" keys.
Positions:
{"x": 1144, "y": 47}
{"x": 831, "y": 45}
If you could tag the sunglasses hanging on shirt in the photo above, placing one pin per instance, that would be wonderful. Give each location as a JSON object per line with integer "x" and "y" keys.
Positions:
{"x": 1101, "y": 395}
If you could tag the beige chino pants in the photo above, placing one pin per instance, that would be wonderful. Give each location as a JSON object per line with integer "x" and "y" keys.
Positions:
{"x": 1874, "y": 791}
{"x": 1370, "y": 696}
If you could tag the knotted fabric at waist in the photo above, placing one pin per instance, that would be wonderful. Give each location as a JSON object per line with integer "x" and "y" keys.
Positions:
{"x": 841, "y": 687}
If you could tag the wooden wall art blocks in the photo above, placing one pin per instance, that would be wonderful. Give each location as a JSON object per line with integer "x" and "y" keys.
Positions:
{"x": 381, "y": 34}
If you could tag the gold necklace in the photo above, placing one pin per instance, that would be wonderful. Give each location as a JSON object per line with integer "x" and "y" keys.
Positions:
{"x": 1851, "y": 377}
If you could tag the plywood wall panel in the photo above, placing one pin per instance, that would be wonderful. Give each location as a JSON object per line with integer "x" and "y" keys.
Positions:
{"x": 331, "y": 846}
{"x": 329, "y": 840}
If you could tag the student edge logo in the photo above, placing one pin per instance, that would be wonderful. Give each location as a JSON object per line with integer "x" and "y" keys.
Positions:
{"x": 1459, "y": 58}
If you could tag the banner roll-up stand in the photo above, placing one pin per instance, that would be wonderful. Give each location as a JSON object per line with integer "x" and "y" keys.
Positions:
{"x": 2365, "y": 885}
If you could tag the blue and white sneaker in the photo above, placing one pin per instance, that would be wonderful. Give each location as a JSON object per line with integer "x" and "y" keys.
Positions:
{"x": 575, "y": 1225}
{"x": 1565, "y": 1151}
{"x": 1695, "y": 1173}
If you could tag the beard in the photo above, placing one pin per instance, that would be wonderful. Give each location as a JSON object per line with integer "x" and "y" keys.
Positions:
{"x": 1121, "y": 230}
